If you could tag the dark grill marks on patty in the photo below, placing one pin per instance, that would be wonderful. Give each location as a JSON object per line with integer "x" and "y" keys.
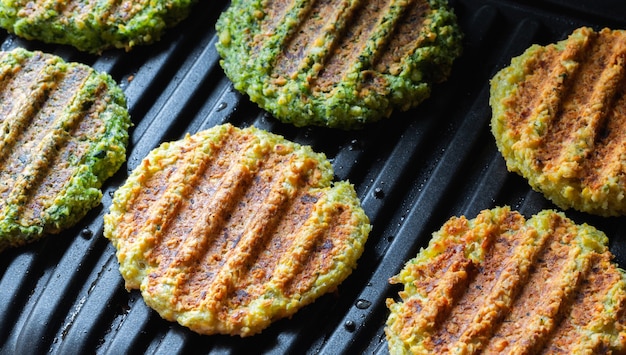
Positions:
{"x": 80, "y": 11}
{"x": 558, "y": 117}
{"x": 356, "y": 46}
{"x": 337, "y": 35}
{"x": 594, "y": 288}
{"x": 403, "y": 40}
{"x": 230, "y": 213}
{"x": 585, "y": 101}
{"x": 546, "y": 285}
{"x": 73, "y": 137}
{"x": 322, "y": 21}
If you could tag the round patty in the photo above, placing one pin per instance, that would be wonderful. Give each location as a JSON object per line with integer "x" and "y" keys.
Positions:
{"x": 559, "y": 117}
{"x": 501, "y": 284}
{"x": 63, "y": 131}
{"x": 229, "y": 229}
{"x": 93, "y": 26}
{"x": 337, "y": 63}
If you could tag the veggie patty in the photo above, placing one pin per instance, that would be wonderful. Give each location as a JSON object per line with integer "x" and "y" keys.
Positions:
{"x": 93, "y": 26}
{"x": 501, "y": 284}
{"x": 337, "y": 63}
{"x": 63, "y": 131}
{"x": 229, "y": 229}
{"x": 559, "y": 117}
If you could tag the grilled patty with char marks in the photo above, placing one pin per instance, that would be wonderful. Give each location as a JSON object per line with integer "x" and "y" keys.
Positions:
{"x": 559, "y": 113}
{"x": 501, "y": 284}
{"x": 337, "y": 63}
{"x": 63, "y": 131}
{"x": 229, "y": 229}
{"x": 92, "y": 26}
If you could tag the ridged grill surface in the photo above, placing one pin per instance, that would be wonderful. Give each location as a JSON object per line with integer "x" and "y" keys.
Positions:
{"x": 499, "y": 284}
{"x": 66, "y": 295}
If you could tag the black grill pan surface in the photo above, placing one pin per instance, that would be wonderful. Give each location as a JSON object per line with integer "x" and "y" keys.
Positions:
{"x": 64, "y": 294}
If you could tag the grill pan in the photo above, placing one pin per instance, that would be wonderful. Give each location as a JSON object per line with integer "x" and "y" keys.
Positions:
{"x": 64, "y": 294}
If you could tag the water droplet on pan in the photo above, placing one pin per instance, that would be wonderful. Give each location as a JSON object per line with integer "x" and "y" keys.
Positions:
{"x": 86, "y": 233}
{"x": 221, "y": 106}
{"x": 363, "y": 304}
{"x": 350, "y": 326}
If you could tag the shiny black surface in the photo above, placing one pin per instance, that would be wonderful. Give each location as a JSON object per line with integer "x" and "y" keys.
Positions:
{"x": 64, "y": 294}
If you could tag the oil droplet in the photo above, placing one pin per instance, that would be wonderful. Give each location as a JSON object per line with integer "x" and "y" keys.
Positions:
{"x": 363, "y": 304}
{"x": 379, "y": 193}
{"x": 350, "y": 326}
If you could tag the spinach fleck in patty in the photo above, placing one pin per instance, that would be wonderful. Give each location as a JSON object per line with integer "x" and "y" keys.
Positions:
{"x": 63, "y": 131}
{"x": 337, "y": 63}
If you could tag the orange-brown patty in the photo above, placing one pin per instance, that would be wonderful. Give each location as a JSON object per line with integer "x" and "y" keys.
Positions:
{"x": 63, "y": 131}
{"x": 229, "y": 229}
{"x": 501, "y": 284}
{"x": 559, "y": 117}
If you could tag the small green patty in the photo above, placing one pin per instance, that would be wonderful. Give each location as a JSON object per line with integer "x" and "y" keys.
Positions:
{"x": 93, "y": 26}
{"x": 63, "y": 131}
{"x": 337, "y": 64}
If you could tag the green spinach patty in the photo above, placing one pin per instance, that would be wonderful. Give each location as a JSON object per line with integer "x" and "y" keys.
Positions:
{"x": 63, "y": 131}
{"x": 337, "y": 63}
{"x": 92, "y": 26}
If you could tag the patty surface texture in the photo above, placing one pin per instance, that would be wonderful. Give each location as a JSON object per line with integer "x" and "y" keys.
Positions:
{"x": 501, "y": 284}
{"x": 92, "y": 26}
{"x": 63, "y": 131}
{"x": 559, "y": 117}
{"x": 337, "y": 63}
{"x": 229, "y": 229}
